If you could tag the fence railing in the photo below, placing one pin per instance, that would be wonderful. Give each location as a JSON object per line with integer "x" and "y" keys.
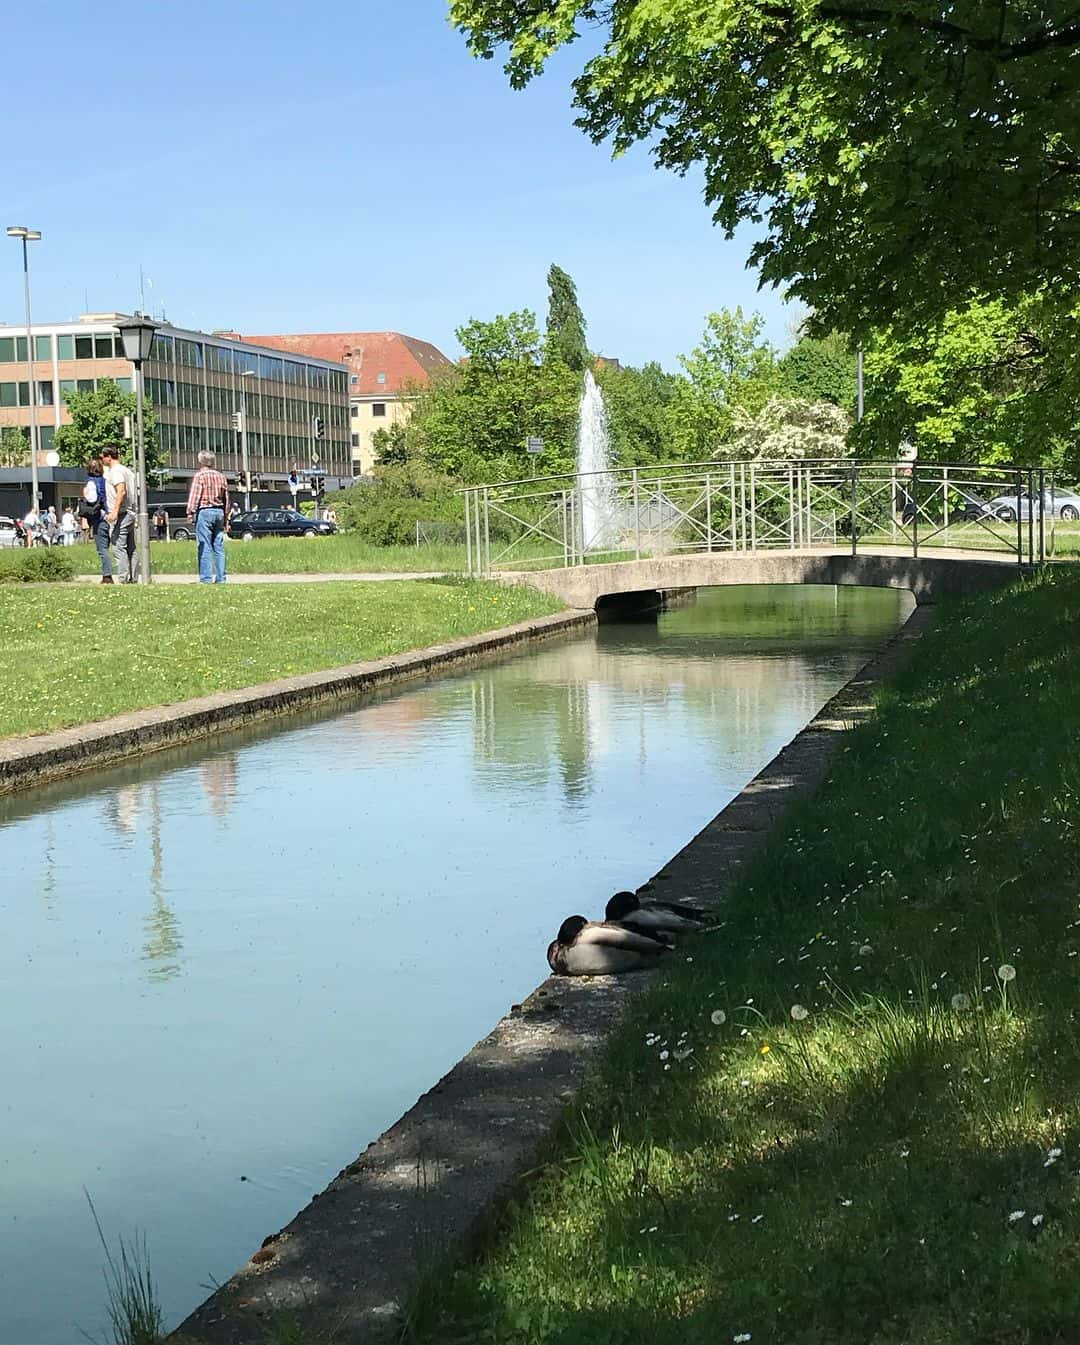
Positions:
{"x": 636, "y": 512}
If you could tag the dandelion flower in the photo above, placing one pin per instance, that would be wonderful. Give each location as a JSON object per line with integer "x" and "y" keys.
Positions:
{"x": 799, "y": 1012}
{"x": 1036, "y": 1220}
{"x": 718, "y": 1018}
{"x": 1016, "y": 1216}
{"x": 1006, "y": 973}
{"x": 664, "y": 1055}
{"x": 846, "y": 1204}
{"x": 741, "y": 1338}
{"x": 866, "y": 950}
{"x": 961, "y": 1001}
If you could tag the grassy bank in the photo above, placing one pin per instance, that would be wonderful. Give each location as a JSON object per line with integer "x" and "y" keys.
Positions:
{"x": 71, "y": 655}
{"x": 853, "y": 1113}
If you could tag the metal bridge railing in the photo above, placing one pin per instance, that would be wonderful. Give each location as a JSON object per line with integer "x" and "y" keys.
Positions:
{"x": 636, "y": 512}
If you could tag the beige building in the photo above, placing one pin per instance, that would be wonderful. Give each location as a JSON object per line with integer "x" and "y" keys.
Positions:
{"x": 383, "y": 367}
{"x": 195, "y": 382}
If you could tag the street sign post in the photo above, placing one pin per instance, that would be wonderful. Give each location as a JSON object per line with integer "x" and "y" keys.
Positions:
{"x": 534, "y": 445}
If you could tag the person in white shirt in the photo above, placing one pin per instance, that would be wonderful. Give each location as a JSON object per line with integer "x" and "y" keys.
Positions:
{"x": 120, "y": 514}
{"x": 30, "y": 523}
{"x": 68, "y": 526}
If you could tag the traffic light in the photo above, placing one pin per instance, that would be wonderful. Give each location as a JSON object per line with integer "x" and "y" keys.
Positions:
{"x": 318, "y": 427}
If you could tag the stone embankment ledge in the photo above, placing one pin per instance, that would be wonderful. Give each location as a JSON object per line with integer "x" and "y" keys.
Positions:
{"x": 44, "y": 757}
{"x": 430, "y": 1186}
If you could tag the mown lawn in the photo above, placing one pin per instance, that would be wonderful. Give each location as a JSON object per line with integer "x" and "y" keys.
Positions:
{"x": 70, "y": 655}
{"x": 854, "y": 1115}
{"x": 344, "y": 553}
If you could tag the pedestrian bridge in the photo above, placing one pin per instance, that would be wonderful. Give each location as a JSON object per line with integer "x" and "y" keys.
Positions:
{"x": 936, "y": 529}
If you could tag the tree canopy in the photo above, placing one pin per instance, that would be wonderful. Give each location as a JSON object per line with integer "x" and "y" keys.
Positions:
{"x": 97, "y": 419}
{"x": 565, "y": 322}
{"x": 905, "y": 156}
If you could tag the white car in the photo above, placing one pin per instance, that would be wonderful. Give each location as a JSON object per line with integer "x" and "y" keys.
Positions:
{"x": 1063, "y": 504}
{"x": 9, "y": 535}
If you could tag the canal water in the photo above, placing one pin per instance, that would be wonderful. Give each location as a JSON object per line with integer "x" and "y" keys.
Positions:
{"x": 223, "y": 971}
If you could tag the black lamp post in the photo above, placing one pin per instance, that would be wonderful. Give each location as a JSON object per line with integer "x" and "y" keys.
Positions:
{"x": 137, "y": 335}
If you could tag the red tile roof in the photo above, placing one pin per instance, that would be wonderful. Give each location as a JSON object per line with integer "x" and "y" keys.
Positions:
{"x": 401, "y": 359}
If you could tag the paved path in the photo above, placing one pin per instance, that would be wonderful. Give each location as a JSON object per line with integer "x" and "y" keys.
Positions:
{"x": 366, "y": 577}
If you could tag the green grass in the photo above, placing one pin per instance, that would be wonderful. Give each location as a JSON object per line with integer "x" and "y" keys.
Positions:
{"x": 71, "y": 655}
{"x": 344, "y": 553}
{"x": 851, "y": 1176}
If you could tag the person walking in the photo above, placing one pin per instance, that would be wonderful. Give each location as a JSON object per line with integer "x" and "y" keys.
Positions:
{"x": 92, "y": 511}
{"x": 161, "y": 523}
{"x": 120, "y": 512}
{"x": 207, "y": 505}
{"x": 68, "y": 526}
{"x": 31, "y": 524}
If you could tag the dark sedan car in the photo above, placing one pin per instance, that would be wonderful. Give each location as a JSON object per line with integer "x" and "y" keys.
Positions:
{"x": 278, "y": 523}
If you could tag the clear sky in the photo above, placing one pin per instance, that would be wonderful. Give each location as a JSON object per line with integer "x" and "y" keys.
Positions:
{"x": 280, "y": 167}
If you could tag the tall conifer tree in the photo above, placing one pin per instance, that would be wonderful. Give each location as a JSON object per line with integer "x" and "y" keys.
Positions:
{"x": 565, "y": 322}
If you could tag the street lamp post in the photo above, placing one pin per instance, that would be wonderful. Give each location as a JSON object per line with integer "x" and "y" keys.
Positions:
{"x": 137, "y": 335}
{"x": 29, "y": 236}
{"x": 248, "y": 373}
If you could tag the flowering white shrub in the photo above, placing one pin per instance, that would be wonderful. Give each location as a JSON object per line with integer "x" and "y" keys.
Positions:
{"x": 791, "y": 427}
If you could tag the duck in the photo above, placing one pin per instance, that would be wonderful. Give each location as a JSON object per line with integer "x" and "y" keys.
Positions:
{"x": 656, "y": 918}
{"x": 596, "y": 948}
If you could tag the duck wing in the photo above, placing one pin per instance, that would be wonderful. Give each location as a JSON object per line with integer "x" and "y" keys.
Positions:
{"x": 690, "y": 914}
{"x": 609, "y": 934}
{"x": 604, "y": 959}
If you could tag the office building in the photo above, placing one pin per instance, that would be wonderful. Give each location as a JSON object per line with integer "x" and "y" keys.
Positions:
{"x": 384, "y": 369}
{"x": 194, "y": 381}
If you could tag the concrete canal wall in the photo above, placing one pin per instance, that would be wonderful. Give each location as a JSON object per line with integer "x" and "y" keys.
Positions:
{"x": 431, "y": 1184}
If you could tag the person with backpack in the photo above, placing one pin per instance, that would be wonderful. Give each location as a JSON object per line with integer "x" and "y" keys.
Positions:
{"x": 92, "y": 509}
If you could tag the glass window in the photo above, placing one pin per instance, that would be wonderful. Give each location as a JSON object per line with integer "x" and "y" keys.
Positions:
{"x": 45, "y": 436}
{"x": 20, "y": 349}
{"x": 66, "y": 385}
{"x": 269, "y": 367}
{"x": 42, "y": 347}
{"x": 44, "y": 392}
{"x": 378, "y": 408}
{"x": 189, "y": 353}
{"x": 84, "y": 347}
{"x": 103, "y": 347}
{"x": 8, "y": 394}
{"x": 24, "y": 394}
{"x": 356, "y": 441}
{"x": 84, "y": 385}
{"x": 380, "y": 378}
{"x": 124, "y": 384}
{"x": 7, "y": 350}
{"x": 354, "y": 379}
{"x": 162, "y": 349}
{"x": 65, "y": 347}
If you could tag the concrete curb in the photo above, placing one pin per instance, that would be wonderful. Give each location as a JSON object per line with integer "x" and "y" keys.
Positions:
{"x": 431, "y": 1184}
{"x": 25, "y": 762}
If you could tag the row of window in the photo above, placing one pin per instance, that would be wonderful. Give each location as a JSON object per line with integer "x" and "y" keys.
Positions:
{"x": 177, "y": 350}
{"x": 224, "y": 401}
{"x": 180, "y": 444}
{"x": 96, "y": 347}
{"x": 18, "y": 394}
{"x": 377, "y": 409}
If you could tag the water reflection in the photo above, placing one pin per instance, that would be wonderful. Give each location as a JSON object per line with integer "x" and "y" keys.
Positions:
{"x": 246, "y": 957}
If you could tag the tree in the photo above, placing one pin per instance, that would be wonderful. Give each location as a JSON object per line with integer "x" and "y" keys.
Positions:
{"x": 993, "y": 381}
{"x": 565, "y": 322}
{"x": 819, "y": 369}
{"x": 475, "y": 418}
{"x": 643, "y": 406}
{"x": 792, "y": 427}
{"x": 14, "y": 446}
{"x": 733, "y": 367}
{"x": 903, "y": 154}
{"x": 97, "y": 419}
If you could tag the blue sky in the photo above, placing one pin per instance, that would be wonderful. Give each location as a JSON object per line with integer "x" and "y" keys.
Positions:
{"x": 336, "y": 166}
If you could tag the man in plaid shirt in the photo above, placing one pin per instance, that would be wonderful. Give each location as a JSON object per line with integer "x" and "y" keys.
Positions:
{"x": 208, "y": 504}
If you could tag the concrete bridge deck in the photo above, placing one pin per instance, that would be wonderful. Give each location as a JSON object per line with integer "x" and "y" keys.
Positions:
{"x": 934, "y": 574}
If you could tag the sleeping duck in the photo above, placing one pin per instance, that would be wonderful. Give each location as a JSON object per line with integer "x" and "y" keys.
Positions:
{"x": 589, "y": 948}
{"x": 655, "y": 918}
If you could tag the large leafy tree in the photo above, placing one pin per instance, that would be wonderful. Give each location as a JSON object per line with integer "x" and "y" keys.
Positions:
{"x": 904, "y": 155}
{"x": 993, "y": 381}
{"x": 643, "y": 408}
{"x": 819, "y": 369}
{"x": 565, "y": 322}
{"x": 474, "y": 421}
{"x": 97, "y": 419}
{"x": 734, "y": 368}
{"x": 14, "y": 446}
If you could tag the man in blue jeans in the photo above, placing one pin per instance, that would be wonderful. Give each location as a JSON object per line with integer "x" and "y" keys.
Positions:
{"x": 207, "y": 504}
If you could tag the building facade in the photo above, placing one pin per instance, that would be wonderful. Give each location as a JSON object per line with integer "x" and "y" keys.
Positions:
{"x": 196, "y": 382}
{"x": 385, "y": 369}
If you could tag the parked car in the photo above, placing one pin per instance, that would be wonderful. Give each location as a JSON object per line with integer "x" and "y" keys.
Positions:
{"x": 9, "y": 533}
{"x": 278, "y": 523}
{"x": 1063, "y": 504}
